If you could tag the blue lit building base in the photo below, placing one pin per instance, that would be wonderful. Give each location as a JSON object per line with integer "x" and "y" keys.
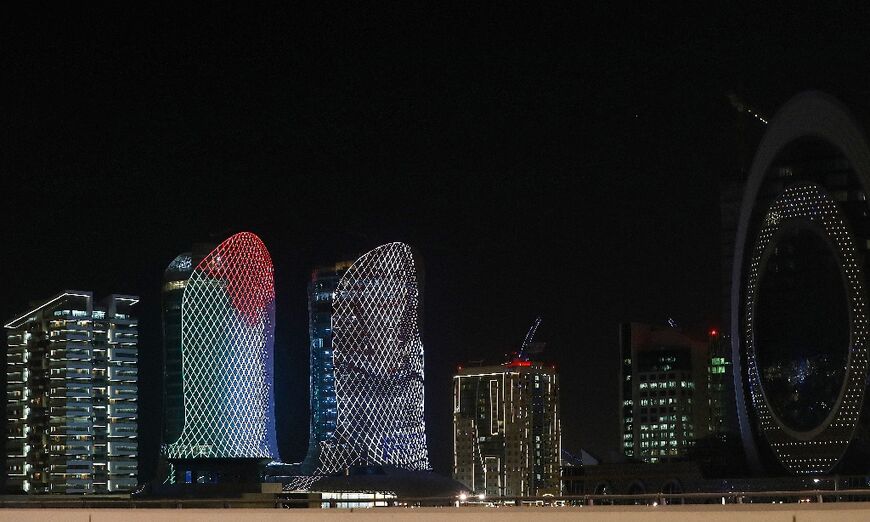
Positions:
{"x": 199, "y": 472}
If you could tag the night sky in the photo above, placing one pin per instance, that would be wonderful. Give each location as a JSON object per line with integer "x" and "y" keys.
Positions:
{"x": 544, "y": 162}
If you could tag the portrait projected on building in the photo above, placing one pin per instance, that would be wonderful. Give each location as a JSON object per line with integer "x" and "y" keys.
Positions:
{"x": 227, "y": 328}
{"x": 378, "y": 364}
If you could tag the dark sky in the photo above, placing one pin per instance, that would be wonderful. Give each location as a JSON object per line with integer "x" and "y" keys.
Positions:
{"x": 544, "y": 161}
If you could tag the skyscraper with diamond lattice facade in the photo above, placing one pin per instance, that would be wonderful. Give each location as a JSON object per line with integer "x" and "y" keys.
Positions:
{"x": 227, "y": 332}
{"x": 376, "y": 368}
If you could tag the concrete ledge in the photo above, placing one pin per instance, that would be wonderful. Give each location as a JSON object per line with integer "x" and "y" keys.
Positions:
{"x": 833, "y": 512}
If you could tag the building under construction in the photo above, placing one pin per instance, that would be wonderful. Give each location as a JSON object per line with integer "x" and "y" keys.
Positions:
{"x": 506, "y": 428}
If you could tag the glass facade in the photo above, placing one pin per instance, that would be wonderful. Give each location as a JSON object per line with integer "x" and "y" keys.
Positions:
{"x": 323, "y": 406}
{"x": 72, "y": 394}
{"x": 805, "y": 341}
{"x": 806, "y": 312}
{"x": 720, "y": 391}
{"x": 174, "y": 282}
{"x": 799, "y": 298}
{"x": 666, "y": 398}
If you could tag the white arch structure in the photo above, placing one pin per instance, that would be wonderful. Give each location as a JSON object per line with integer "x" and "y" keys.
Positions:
{"x": 810, "y": 115}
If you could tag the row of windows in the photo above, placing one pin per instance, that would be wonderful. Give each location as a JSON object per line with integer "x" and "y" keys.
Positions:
{"x": 654, "y": 385}
{"x": 665, "y": 401}
{"x": 659, "y": 443}
{"x": 662, "y": 453}
{"x": 645, "y": 376}
{"x": 657, "y": 427}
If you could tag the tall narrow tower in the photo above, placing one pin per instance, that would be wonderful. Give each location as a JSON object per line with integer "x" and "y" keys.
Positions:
{"x": 368, "y": 376}
{"x": 227, "y": 331}
{"x": 322, "y": 421}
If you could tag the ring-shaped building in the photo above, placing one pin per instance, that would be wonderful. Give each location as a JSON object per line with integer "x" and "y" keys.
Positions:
{"x": 799, "y": 311}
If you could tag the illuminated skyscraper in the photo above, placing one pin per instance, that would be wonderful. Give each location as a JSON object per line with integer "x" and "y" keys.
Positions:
{"x": 322, "y": 422}
{"x": 72, "y": 417}
{"x": 174, "y": 281}
{"x": 721, "y": 417}
{"x": 376, "y": 364}
{"x": 799, "y": 313}
{"x": 672, "y": 391}
{"x": 506, "y": 429}
{"x": 227, "y": 328}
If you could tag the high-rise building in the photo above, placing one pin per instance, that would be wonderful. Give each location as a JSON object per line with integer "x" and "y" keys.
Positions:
{"x": 367, "y": 364}
{"x": 720, "y": 385}
{"x": 799, "y": 305}
{"x": 673, "y": 391}
{"x": 323, "y": 404}
{"x": 226, "y": 337}
{"x": 174, "y": 282}
{"x": 72, "y": 414}
{"x": 506, "y": 429}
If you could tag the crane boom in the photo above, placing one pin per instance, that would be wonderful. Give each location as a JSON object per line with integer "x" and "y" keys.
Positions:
{"x": 530, "y": 336}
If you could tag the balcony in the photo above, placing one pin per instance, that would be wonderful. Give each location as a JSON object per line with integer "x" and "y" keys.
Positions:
{"x": 123, "y": 466}
{"x": 122, "y": 429}
{"x": 123, "y": 391}
{"x": 77, "y": 393}
{"x": 76, "y": 336}
{"x": 123, "y": 354}
{"x": 71, "y": 364}
{"x": 126, "y": 447}
{"x": 122, "y": 483}
{"x": 79, "y": 450}
{"x": 123, "y": 411}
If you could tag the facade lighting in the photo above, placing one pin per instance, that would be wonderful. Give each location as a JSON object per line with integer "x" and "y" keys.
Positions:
{"x": 227, "y": 333}
{"x": 378, "y": 365}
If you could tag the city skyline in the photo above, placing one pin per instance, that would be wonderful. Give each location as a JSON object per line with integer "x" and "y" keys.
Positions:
{"x": 804, "y": 381}
{"x": 544, "y": 162}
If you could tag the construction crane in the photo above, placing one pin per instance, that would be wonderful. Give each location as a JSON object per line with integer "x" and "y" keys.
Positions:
{"x": 529, "y": 345}
{"x": 530, "y": 336}
{"x": 742, "y": 106}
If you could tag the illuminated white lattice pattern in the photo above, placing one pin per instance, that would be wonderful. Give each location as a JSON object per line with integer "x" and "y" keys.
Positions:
{"x": 299, "y": 483}
{"x": 227, "y": 330}
{"x": 822, "y": 451}
{"x": 378, "y": 359}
